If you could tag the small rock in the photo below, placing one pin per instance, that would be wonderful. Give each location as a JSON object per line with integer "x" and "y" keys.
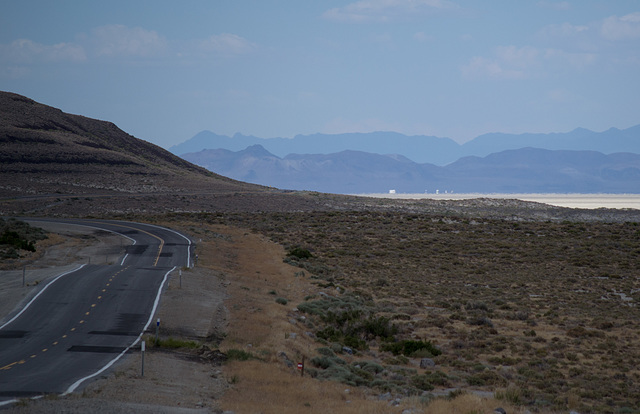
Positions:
{"x": 499, "y": 410}
{"x": 347, "y": 350}
{"x": 293, "y": 335}
{"x": 385, "y": 397}
{"x": 427, "y": 363}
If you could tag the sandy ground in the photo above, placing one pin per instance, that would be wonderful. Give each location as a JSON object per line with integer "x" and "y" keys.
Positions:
{"x": 173, "y": 382}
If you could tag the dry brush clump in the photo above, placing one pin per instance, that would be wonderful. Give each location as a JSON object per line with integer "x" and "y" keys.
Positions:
{"x": 545, "y": 313}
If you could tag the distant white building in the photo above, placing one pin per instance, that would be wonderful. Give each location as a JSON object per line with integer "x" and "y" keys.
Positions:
{"x": 392, "y": 191}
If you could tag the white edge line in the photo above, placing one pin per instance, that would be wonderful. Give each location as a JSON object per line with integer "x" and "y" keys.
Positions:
{"x": 39, "y": 293}
{"x": 76, "y": 384}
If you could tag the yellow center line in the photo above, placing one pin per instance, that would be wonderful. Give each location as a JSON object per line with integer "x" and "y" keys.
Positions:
{"x": 8, "y": 366}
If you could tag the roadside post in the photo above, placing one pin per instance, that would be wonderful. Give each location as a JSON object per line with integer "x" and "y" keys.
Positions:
{"x": 157, "y": 329}
{"x": 180, "y": 272}
{"x": 301, "y": 367}
{"x": 24, "y": 271}
{"x": 142, "y": 346}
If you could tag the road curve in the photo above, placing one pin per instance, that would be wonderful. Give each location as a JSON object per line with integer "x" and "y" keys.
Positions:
{"x": 82, "y": 321}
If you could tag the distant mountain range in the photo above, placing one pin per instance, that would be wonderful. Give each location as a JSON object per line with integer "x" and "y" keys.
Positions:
{"x": 526, "y": 170}
{"x": 421, "y": 149}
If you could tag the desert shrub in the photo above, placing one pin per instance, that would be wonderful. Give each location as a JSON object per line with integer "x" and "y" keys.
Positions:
{"x": 512, "y": 395}
{"x": 12, "y": 238}
{"x": 477, "y": 305}
{"x": 328, "y": 352}
{"x": 336, "y": 369}
{"x": 427, "y": 382}
{"x": 411, "y": 347}
{"x": 349, "y": 320}
{"x": 239, "y": 355}
{"x": 173, "y": 343}
{"x": 300, "y": 253}
{"x": 421, "y": 383}
{"x": 282, "y": 301}
{"x": 486, "y": 377}
{"x": 380, "y": 327}
{"x": 369, "y": 366}
{"x": 325, "y": 362}
{"x": 480, "y": 321}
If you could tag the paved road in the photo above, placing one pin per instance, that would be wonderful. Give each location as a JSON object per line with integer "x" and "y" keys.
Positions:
{"x": 82, "y": 321}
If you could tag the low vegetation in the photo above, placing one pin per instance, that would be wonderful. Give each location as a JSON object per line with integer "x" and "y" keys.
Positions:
{"x": 16, "y": 236}
{"x": 544, "y": 314}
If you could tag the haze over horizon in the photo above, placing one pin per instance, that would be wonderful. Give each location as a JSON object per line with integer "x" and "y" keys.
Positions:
{"x": 164, "y": 71}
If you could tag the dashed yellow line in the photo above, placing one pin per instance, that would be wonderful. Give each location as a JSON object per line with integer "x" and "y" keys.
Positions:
{"x": 73, "y": 329}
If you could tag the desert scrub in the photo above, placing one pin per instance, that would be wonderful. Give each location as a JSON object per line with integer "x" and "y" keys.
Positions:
{"x": 174, "y": 343}
{"x": 411, "y": 348}
{"x": 330, "y": 367}
{"x": 239, "y": 355}
{"x": 427, "y": 382}
{"x": 349, "y": 320}
{"x": 18, "y": 235}
{"x": 563, "y": 276}
{"x": 300, "y": 253}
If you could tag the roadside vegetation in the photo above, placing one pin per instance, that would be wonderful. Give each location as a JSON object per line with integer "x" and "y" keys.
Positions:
{"x": 543, "y": 314}
{"x": 17, "y": 237}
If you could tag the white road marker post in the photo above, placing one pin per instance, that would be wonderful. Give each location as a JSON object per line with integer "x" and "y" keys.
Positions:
{"x": 142, "y": 346}
{"x": 157, "y": 330}
{"x": 180, "y": 271}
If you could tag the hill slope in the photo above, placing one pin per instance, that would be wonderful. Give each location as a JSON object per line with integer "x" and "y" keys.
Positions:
{"x": 45, "y": 150}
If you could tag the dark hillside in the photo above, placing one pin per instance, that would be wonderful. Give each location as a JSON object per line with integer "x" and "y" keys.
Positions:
{"x": 45, "y": 150}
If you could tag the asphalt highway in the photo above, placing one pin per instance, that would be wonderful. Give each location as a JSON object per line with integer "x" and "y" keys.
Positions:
{"x": 81, "y": 322}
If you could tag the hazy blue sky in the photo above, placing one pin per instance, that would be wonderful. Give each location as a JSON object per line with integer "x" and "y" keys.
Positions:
{"x": 165, "y": 70}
